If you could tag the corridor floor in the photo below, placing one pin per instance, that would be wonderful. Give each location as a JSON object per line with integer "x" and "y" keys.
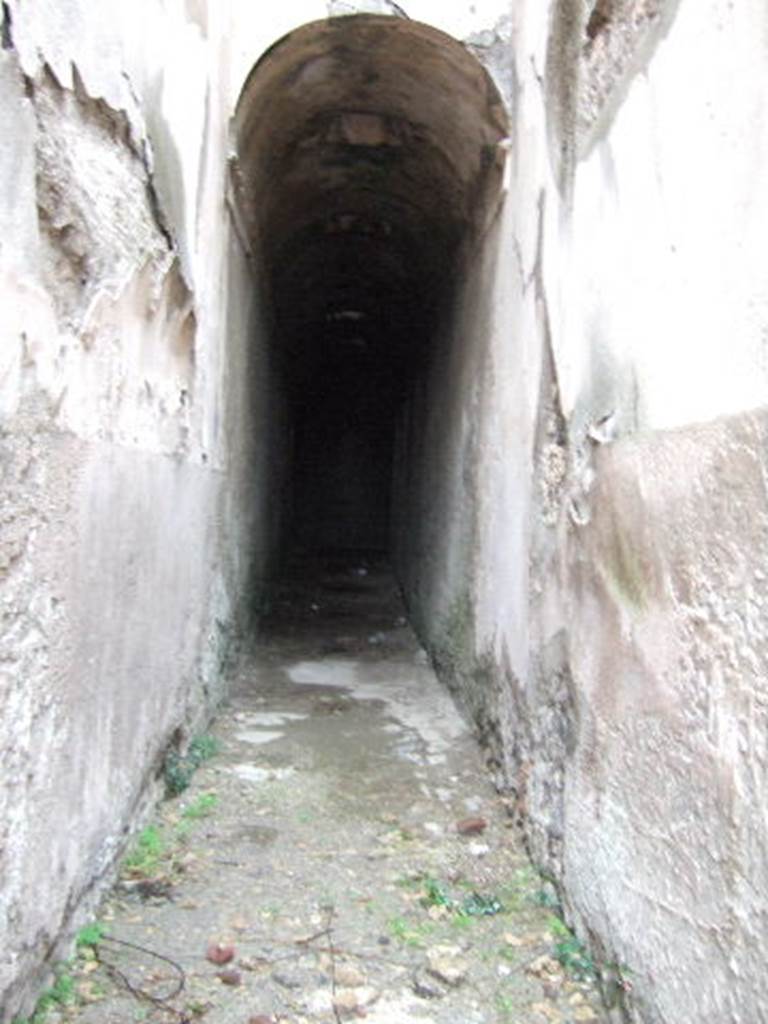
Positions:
{"x": 340, "y": 856}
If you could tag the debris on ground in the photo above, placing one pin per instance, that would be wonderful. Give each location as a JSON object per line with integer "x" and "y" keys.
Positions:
{"x": 336, "y": 874}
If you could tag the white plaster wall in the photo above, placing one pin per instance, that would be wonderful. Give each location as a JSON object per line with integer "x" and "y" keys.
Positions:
{"x": 135, "y": 419}
{"x": 662, "y": 254}
{"x": 593, "y": 500}
{"x": 653, "y": 270}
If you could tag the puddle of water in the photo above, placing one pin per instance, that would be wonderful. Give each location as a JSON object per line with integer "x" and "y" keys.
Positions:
{"x": 268, "y": 719}
{"x": 257, "y": 738}
{"x": 254, "y": 773}
{"x": 329, "y": 672}
{"x": 412, "y": 694}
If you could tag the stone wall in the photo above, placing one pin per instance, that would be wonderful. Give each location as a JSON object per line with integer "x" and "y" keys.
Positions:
{"x": 135, "y": 417}
{"x": 660, "y": 347}
{"x": 622, "y": 698}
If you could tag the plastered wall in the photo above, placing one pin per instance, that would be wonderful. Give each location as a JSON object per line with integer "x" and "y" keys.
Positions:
{"x": 135, "y": 427}
{"x": 592, "y": 520}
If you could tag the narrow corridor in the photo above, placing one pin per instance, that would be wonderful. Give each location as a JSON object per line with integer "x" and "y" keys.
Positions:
{"x": 320, "y": 847}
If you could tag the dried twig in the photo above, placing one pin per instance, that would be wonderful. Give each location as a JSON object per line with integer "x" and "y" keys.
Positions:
{"x": 160, "y": 1002}
{"x": 332, "y": 954}
{"x": 313, "y": 938}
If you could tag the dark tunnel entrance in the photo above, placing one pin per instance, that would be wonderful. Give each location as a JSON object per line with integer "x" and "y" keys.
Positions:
{"x": 368, "y": 173}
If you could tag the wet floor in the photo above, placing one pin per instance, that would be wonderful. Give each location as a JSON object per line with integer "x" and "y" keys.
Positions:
{"x": 342, "y": 855}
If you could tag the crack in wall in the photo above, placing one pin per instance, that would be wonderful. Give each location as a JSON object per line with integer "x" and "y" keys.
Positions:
{"x": 6, "y": 28}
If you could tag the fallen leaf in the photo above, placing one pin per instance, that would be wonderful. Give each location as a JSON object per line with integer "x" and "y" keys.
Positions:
{"x": 471, "y": 826}
{"x": 230, "y": 977}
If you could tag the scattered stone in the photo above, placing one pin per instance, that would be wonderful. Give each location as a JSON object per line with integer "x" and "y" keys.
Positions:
{"x": 253, "y": 963}
{"x": 584, "y": 1013}
{"x": 286, "y": 980}
{"x": 352, "y": 1001}
{"x": 544, "y": 965}
{"x": 230, "y": 977}
{"x": 471, "y": 826}
{"x": 220, "y": 954}
{"x": 447, "y": 964}
{"x": 349, "y": 976}
{"x": 551, "y": 987}
{"x": 427, "y": 987}
{"x": 320, "y": 1002}
{"x": 479, "y": 849}
{"x": 548, "y": 1011}
{"x": 261, "y": 1018}
{"x": 239, "y": 924}
{"x": 147, "y": 889}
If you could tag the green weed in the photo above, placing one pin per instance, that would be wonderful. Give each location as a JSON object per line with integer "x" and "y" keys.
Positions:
{"x": 147, "y": 853}
{"x": 60, "y": 995}
{"x": 63, "y": 992}
{"x": 505, "y": 1005}
{"x": 201, "y": 807}
{"x": 571, "y": 953}
{"x": 546, "y": 897}
{"x": 414, "y": 935}
{"x": 436, "y": 895}
{"x": 509, "y": 953}
{"x": 90, "y": 935}
{"x": 178, "y": 769}
{"x": 472, "y": 905}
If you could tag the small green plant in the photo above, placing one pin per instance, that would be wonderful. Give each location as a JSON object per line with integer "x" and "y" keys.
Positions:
{"x": 197, "y": 1008}
{"x": 60, "y": 995}
{"x": 203, "y": 748}
{"x": 63, "y": 992}
{"x": 505, "y": 1005}
{"x": 147, "y": 853}
{"x": 435, "y": 895}
{"x": 474, "y": 904}
{"x": 178, "y": 769}
{"x": 571, "y": 953}
{"x": 90, "y": 935}
{"x": 201, "y": 807}
{"x": 413, "y": 935}
{"x": 546, "y": 897}
{"x": 477, "y": 905}
{"x": 509, "y": 953}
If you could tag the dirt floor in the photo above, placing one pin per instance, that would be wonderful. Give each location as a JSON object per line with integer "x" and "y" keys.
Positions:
{"x": 339, "y": 853}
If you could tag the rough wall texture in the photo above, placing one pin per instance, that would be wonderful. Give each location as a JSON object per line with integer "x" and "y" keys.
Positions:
{"x": 621, "y": 697}
{"x": 663, "y": 533}
{"x": 666, "y": 787}
{"x": 134, "y": 485}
